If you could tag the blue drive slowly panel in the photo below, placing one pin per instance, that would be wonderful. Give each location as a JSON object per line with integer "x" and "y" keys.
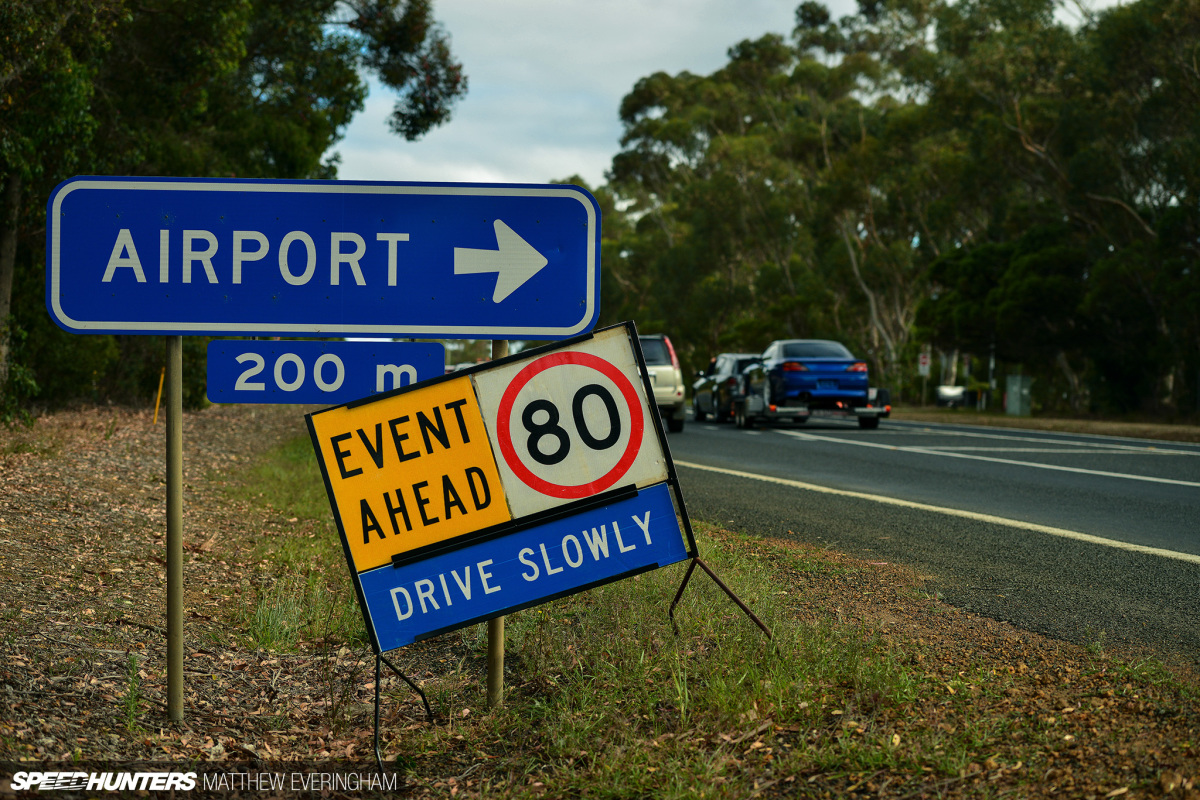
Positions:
{"x": 322, "y": 258}
{"x": 522, "y": 569}
{"x": 326, "y": 372}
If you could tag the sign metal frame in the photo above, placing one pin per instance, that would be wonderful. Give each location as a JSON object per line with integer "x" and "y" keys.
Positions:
{"x": 572, "y": 508}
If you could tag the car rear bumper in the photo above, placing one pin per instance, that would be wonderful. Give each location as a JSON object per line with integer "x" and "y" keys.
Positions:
{"x": 790, "y": 412}
{"x": 824, "y": 398}
{"x": 673, "y": 409}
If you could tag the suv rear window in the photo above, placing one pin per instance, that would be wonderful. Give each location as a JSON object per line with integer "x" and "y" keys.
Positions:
{"x": 655, "y": 351}
{"x": 815, "y": 350}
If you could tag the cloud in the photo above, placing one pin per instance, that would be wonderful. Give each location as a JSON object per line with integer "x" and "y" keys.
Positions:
{"x": 546, "y": 80}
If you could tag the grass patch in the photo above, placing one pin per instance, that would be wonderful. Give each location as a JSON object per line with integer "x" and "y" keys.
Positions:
{"x": 30, "y": 440}
{"x": 613, "y": 698}
{"x": 132, "y": 703}
{"x": 297, "y": 609}
{"x": 308, "y": 597}
{"x": 288, "y": 477}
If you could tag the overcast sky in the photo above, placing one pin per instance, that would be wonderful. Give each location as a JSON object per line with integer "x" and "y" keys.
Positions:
{"x": 546, "y": 78}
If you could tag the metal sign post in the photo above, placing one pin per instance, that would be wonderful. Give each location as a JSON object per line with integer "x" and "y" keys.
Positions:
{"x": 175, "y": 527}
{"x": 495, "y": 626}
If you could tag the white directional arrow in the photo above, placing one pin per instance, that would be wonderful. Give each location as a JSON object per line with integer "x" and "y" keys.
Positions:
{"x": 514, "y": 261}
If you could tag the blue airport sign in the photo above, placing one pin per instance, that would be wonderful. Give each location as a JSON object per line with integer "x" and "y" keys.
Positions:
{"x": 322, "y": 258}
{"x": 518, "y": 570}
{"x": 316, "y": 372}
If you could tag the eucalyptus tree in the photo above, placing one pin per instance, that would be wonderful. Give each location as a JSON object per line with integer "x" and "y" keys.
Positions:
{"x": 1139, "y": 165}
{"x": 1089, "y": 134}
{"x": 48, "y": 48}
{"x": 703, "y": 177}
{"x": 801, "y": 190}
{"x": 892, "y": 199}
{"x": 722, "y": 173}
{"x": 245, "y": 88}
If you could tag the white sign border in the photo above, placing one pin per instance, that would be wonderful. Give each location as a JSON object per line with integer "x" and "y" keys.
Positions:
{"x": 54, "y": 277}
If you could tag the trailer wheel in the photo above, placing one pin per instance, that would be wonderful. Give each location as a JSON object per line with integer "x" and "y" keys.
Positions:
{"x": 868, "y": 423}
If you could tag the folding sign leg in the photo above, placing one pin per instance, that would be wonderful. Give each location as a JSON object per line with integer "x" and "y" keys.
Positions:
{"x": 688, "y": 575}
{"x": 379, "y": 662}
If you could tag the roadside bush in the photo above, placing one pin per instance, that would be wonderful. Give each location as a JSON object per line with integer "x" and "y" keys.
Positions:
{"x": 19, "y": 386}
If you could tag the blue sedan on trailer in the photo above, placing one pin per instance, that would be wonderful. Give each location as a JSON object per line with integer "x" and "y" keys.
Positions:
{"x": 800, "y": 378}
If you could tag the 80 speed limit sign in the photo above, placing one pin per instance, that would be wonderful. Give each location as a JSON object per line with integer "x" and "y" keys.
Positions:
{"x": 571, "y": 424}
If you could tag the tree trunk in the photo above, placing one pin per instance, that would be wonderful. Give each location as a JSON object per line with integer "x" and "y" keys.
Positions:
{"x": 1078, "y": 396}
{"x": 878, "y": 327}
{"x": 10, "y": 205}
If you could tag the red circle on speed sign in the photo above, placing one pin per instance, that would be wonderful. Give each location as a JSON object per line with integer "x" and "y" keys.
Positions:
{"x": 504, "y": 430}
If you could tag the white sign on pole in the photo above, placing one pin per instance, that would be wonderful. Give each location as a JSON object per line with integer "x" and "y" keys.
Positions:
{"x": 923, "y": 361}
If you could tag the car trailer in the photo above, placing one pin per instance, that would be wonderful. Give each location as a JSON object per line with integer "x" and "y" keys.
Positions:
{"x": 750, "y": 410}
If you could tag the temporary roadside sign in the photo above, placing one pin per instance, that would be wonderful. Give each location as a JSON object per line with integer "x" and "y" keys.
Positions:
{"x": 502, "y": 486}
{"x": 316, "y": 372}
{"x": 322, "y": 258}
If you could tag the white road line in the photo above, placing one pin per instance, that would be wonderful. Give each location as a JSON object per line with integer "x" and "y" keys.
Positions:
{"x": 953, "y": 512}
{"x": 1107, "y": 445}
{"x": 1064, "y": 450}
{"x": 931, "y": 452}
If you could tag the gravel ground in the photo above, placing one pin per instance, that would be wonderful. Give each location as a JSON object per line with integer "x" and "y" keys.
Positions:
{"x": 83, "y": 591}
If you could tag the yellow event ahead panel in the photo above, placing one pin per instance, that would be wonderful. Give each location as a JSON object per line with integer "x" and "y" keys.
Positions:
{"x": 410, "y": 470}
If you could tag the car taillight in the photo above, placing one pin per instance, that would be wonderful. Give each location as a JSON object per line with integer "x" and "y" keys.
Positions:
{"x": 731, "y": 382}
{"x": 858, "y": 366}
{"x": 794, "y": 366}
{"x": 671, "y": 350}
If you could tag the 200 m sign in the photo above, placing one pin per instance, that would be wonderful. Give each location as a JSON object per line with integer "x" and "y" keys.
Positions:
{"x": 572, "y": 424}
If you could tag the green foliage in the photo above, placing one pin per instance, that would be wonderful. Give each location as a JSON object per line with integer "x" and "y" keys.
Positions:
{"x": 20, "y": 385}
{"x": 220, "y": 88}
{"x": 791, "y": 193}
{"x": 97, "y": 369}
{"x": 290, "y": 478}
{"x": 976, "y": 175}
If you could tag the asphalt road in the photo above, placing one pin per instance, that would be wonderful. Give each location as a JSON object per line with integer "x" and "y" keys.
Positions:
{"x": 1084, "y": 538}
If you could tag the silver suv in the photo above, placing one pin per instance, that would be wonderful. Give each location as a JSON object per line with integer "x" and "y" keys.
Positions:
{"x": 666, "y": 378}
